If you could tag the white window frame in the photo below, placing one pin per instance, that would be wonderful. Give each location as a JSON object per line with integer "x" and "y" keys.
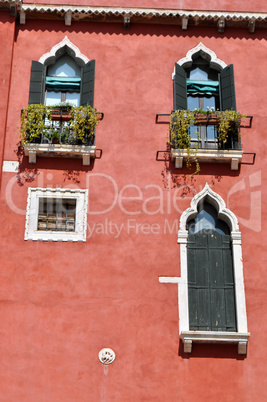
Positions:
{"x": 232, "y": 156}
{"x": 34, "y": 194}
{"x": 188, "y": 337}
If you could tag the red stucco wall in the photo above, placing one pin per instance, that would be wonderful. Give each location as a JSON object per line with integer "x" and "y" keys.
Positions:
{"x": 61, "y": 303}
{"x": 7, "y": 31}
{"x": 221, "y": 5}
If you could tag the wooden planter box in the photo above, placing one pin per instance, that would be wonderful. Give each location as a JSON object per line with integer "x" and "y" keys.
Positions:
{"x": 204, "y": 119}
{"x": 58, "y": 114}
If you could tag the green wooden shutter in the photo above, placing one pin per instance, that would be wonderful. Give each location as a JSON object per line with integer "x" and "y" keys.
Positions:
{"x": 88, "y": 84}
{"x": 198, "y": 283}
{"x": 37, "y": 83}
{"x": 180, "y": 90}
{"x": 227, "y": 88}
{"x": 211, "y": 291}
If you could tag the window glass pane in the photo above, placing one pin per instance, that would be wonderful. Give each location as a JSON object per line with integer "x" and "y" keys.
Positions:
{"x": 52, "y": 98}
{"x": 192, "y": 102}
{"x": 198, "y": 74}
{"x": 211, "y": 133}
{"x": 207, "y": 218}
{"x": 65, "y": 66}
{"x": 209, "y": 102}
{"x": 56, "y": 214}
{"x": 73, "y": 98}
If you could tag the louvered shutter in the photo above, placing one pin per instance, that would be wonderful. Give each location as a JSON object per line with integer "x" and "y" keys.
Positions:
{"x": 227, "y": 88}
{"x": 37, "y": 83}
{"x": 211, "y": 292}
{"x": 180, "y": 90}
{"x": 88, "y": 84}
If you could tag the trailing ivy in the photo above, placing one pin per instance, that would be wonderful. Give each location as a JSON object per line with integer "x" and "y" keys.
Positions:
{"x": 36, "y": 121}
{"x": 32, "y": 122}
{"x": 85, "y": 119}
{"x": 180, "y": 137}
{"x": 229, "y": 120}
{"x": 181, "y": 120}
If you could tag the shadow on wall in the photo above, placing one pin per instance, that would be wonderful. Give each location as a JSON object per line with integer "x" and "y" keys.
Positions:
{"x": 28, "y": 173}
{"x": 211, "y": 350}
{"x": 89, "y": 27}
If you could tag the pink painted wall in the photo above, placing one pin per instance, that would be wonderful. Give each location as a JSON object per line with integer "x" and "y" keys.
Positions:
{"x": 63, "y": 302}
{"x": 7, "y": 30}
{"x": 217, "y": 5}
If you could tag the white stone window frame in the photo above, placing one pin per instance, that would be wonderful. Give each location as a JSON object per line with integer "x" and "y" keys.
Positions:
{"x": 232, "y": 156}
{"x": 188, "y": 337}
{"x": 34, "y": 194}
{"x": 86, "y": 152}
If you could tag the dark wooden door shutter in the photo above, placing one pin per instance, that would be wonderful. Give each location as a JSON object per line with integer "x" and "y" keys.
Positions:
{"x": 37, "y": 83}
{"x": 88, "y": 84}
{"x": 180, "y": 90}
{"x": 227, "y": 88}
{"x": 211, "y": 291}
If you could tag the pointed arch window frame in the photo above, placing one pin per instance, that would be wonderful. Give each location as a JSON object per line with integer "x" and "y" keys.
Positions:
{"x": 37, "y": 96}
{"x": 38, "y": 72}
{"x": 241, "y": 336}
{"x": 232, "y": 156}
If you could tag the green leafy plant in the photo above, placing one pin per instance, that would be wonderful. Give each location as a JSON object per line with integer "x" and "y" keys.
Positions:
{"x": 180, "y": 123}
{"x": 84, "y": 121}
{"x": 228, "y": 123}
{"x": 78, "y": 126}
{"x": 32, "y": 122}
{"x": 180, "y": 137}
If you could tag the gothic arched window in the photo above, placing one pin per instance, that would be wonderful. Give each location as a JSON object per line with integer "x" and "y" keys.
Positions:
{"x": 211, "y": 289}
{"x": 63, "y": 74}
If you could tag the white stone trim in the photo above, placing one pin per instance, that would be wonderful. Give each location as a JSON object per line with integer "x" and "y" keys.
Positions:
{"x": 217, "y": 202}
{"x": 169, "y": 279}
{"x": 206, "y": 53}
{"x": 60, "y": 150}
{"x": 242, "y": 335}
{"x": 232, "y": 156}
{"x": 10, "y": 166}
{"x": 146, "y": 12}
{"x": 31, "y": 232}
{"x": 188, "y": 337}
{"x": 59, "y": 49}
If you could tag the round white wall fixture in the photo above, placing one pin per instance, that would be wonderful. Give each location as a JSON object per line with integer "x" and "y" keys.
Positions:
{"x": 106, "y": 356}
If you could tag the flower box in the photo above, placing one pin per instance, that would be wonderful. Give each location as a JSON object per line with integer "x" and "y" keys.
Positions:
{"x": 60, "y": 114}
{"x": 206, "y": 119}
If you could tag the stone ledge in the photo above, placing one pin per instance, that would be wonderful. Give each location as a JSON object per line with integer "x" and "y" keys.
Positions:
{"x": 233, "y": 157}
{"x": 188, "y": 337}
{"x": 60, "y": 150}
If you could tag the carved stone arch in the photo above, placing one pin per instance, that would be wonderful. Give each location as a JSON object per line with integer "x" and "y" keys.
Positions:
{"x": 240, "y": 337}
{"x": 217, "y": 202}
{"x": 64, "y": 47}
{"x": 206, "y": 54}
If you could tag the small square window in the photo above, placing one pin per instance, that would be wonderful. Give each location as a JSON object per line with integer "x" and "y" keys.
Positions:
{"x": 56, "y": 214}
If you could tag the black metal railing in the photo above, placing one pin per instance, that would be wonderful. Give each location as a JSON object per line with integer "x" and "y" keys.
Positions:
{"x": 204, "y": 134}
{"x": 206, "y": 137}
{"x": 58, "y": 130}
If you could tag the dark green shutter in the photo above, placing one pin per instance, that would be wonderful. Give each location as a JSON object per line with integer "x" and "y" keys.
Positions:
{"x": 37, "y": 83}
{"x": 180, "y": 90}
{"x": 227, "y": 88}
{"x": 88, "y": 84}
{"x": 211, "y": 290}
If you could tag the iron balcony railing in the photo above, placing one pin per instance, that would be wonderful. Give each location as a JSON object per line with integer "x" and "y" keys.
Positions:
{"x": 58, "y": 130}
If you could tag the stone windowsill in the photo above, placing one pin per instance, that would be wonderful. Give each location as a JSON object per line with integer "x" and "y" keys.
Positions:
{"x": 188, "y": 337}
{"x": 60, "y": 150}
{"x": 231, "y": 156}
